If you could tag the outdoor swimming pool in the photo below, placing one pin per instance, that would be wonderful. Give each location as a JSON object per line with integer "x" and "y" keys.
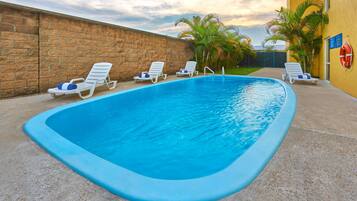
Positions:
{"x": 194, "y": 139}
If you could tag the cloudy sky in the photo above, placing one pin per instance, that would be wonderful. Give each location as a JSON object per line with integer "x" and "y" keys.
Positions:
{"x": 159, "y": 16}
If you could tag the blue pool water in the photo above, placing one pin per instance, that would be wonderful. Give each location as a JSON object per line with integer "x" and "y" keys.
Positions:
{"x": 193, "y": 139}
{"x": 181, "y": 130}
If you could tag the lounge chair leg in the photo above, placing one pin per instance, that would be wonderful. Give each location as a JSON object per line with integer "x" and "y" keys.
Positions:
{"x": 113, "y": 83}
{"x": 54, "y": 95}
{"x": 283, "y": 77}
{"x": 91, "y": 92}
{"x": 83, "y": 97}
{"x": 291, "y": 81}
{"x": 154, "y": 80}
{"x": 165, "y": 76}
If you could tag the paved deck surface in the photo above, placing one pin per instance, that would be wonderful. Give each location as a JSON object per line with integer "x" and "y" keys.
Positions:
{"x": 317, "y": 160}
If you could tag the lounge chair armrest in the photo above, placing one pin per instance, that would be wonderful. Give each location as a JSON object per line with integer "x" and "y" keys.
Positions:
{"x": 307, "y": 74}
{"x": 77, "y": 80}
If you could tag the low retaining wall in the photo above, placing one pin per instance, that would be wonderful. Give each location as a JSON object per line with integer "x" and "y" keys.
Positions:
{"x": 39, "y": 49}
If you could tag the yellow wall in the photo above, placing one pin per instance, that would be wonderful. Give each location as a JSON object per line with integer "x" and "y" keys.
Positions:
{"x": 342, "y": 14}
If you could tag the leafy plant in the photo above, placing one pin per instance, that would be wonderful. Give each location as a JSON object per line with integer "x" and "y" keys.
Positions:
{"x": 301, "y": 30}
{"x": 214, "y": 43}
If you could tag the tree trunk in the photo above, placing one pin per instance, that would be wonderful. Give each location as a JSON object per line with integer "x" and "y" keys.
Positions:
{"x": 208, "y": 59}
{"x": 312, "y": 60}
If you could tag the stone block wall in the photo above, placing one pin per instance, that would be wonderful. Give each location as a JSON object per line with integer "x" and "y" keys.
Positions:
{"x": 39, "y": 49}
{"x": 18, "y": 52}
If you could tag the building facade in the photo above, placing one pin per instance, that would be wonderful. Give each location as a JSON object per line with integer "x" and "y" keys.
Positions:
{"x": 342, "y": 14}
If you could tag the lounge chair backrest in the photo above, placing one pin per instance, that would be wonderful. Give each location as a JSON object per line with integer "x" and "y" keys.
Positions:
{"x": 190, "y": 66}
{"x": 156, "y": 68}
{"x": 99, "y": 73}
{"x": 293, "y": 69}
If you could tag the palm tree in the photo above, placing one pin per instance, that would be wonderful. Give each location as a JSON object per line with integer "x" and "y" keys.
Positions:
{"x": 215, "y": 44}
{"x": 201, "y": 34}
{"x": 301, "y": 30}
{"x": 235, "y": 48}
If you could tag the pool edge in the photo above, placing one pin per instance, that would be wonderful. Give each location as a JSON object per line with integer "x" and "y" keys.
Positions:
{"x": 101, "y": 180}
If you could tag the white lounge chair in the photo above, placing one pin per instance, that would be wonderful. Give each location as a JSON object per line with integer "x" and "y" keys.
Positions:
{"x": 98, "y": 76}
{"x": 293, "y": 72}
{"x": 155, "y": 71}
{"x": 190, "y": 69}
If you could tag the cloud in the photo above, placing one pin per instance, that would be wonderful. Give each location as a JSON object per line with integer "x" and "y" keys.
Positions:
{"x": 159, "y": 16}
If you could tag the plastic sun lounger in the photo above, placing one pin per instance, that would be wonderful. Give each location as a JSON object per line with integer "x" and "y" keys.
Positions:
{"x": 292, "y": 72}
{"x": 190, "y": 68}
{"x": 98, "y": 76}
{"x": 155, "y": 72}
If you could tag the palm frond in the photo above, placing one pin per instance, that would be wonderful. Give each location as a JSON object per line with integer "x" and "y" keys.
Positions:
{"x": 301, "y": 29}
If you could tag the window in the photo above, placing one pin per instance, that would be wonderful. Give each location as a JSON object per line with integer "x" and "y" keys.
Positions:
{"x": 327, "y": 5}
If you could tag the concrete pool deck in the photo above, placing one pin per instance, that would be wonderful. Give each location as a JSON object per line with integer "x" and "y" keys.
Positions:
{"x": 317, "y": 160}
